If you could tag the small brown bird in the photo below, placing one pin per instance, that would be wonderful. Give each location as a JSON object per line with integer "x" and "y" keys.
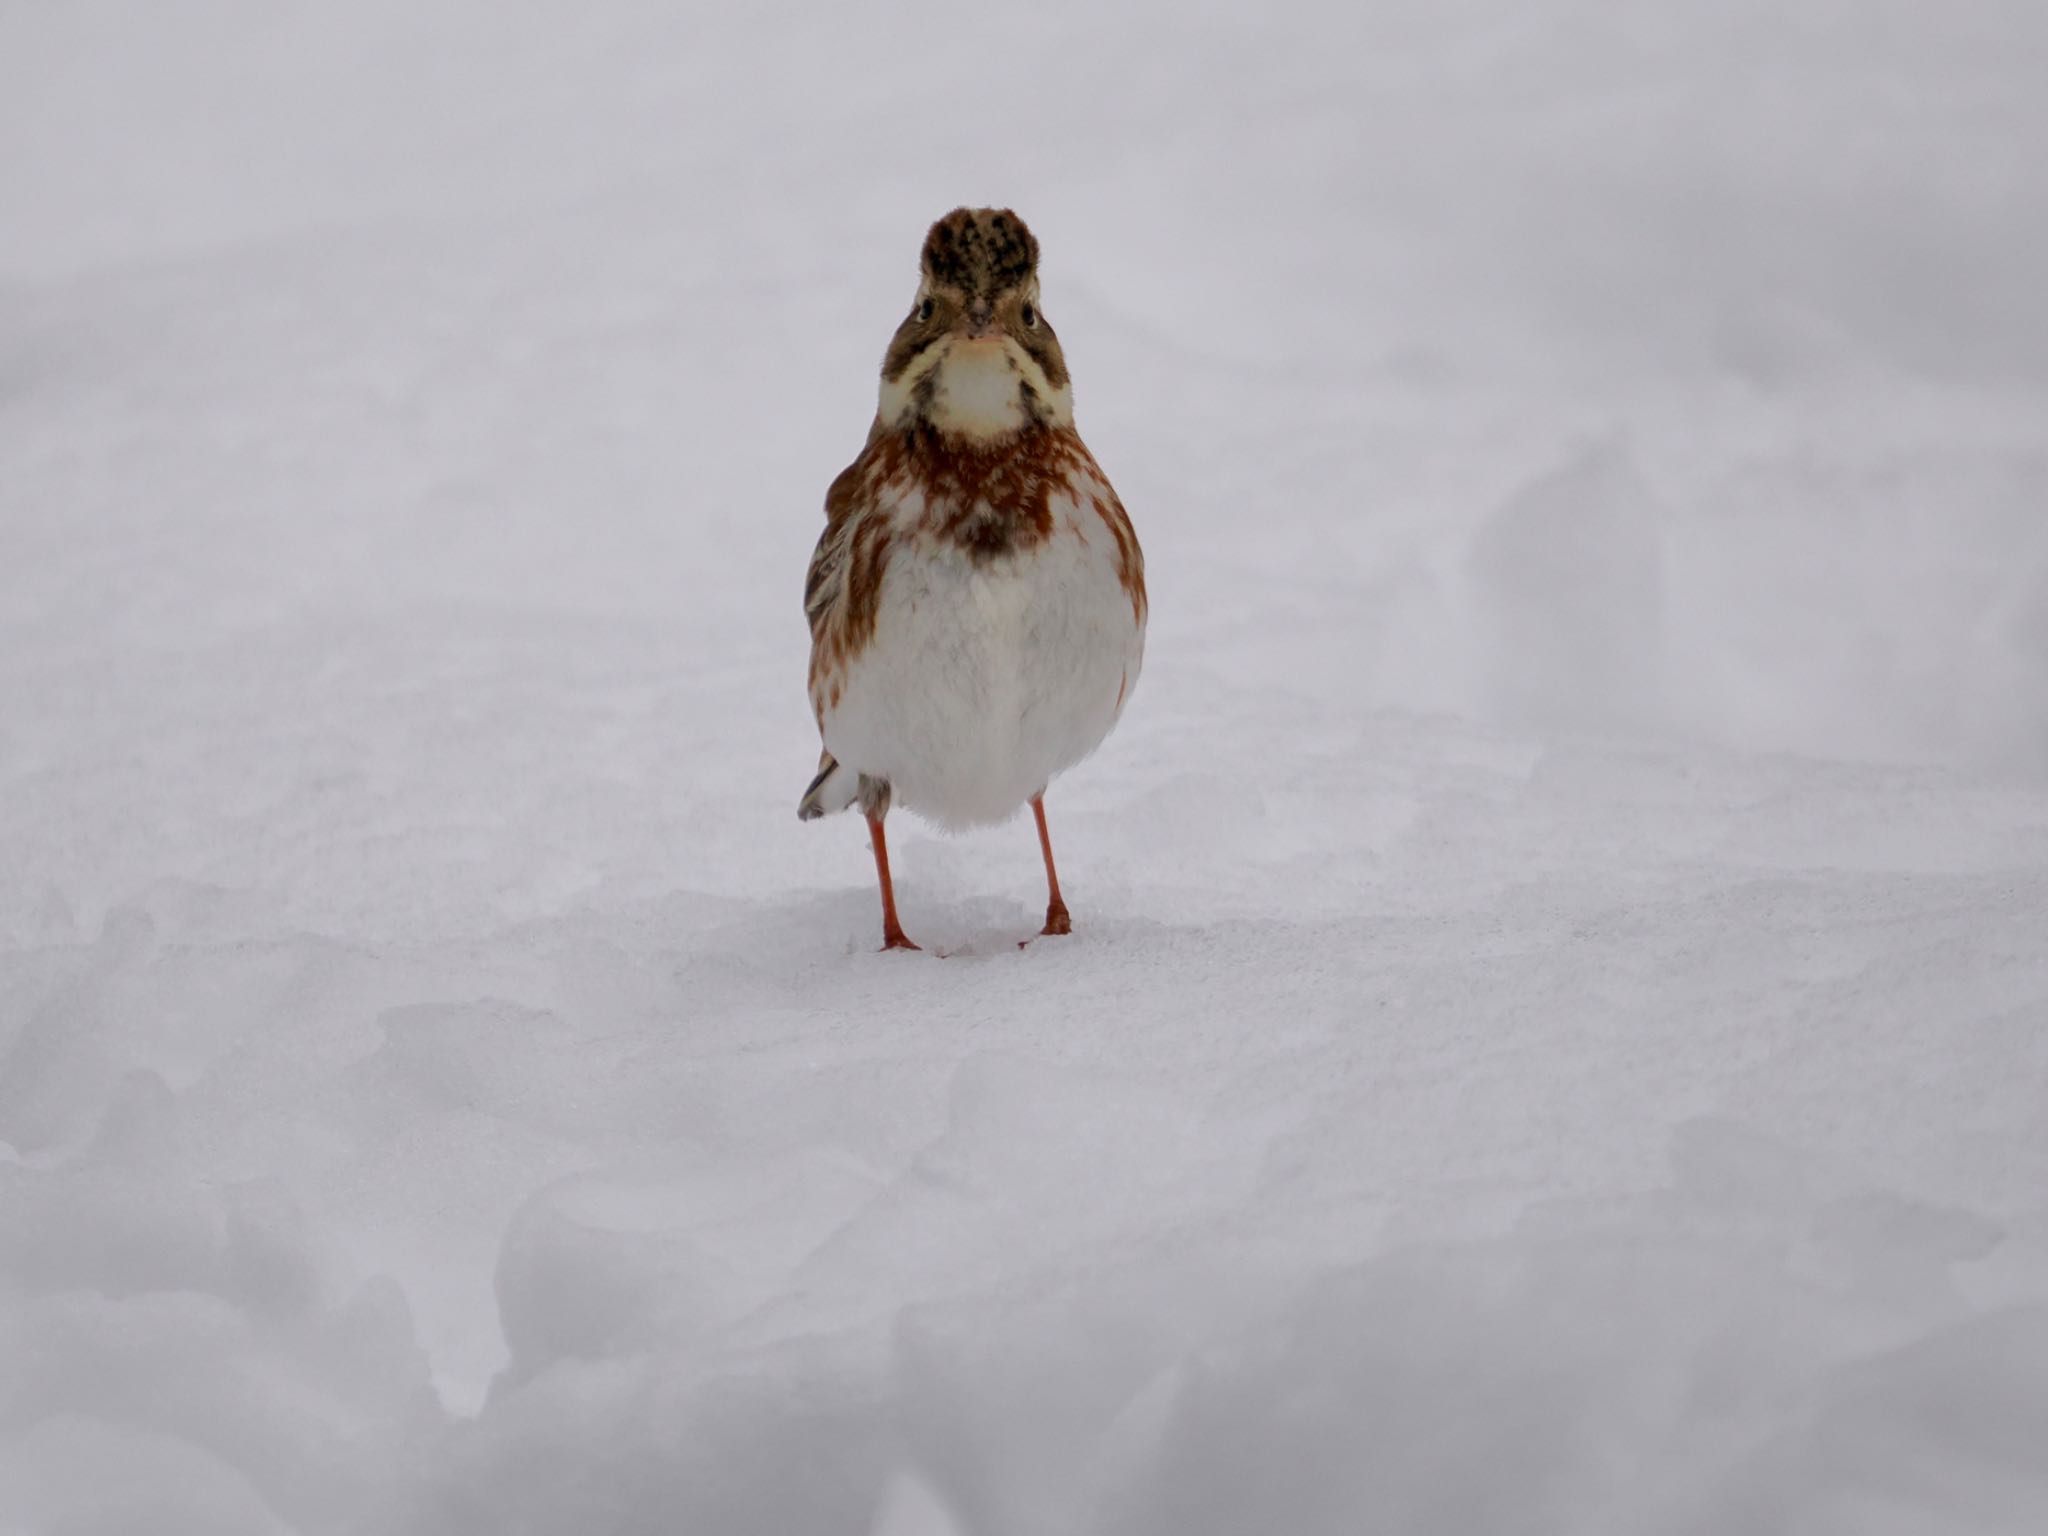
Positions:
{"x": 977, "y": 600}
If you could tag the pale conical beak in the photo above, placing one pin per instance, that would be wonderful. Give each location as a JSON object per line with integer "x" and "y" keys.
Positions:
{"x": 980, "y": 321}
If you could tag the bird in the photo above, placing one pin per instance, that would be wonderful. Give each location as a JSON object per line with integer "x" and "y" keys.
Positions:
{"x": 977, "y": 600}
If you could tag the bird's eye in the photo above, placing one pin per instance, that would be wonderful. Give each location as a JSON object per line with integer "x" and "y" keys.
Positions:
{"x": 1029, "y": 316}
{"x": 924, "y": 310}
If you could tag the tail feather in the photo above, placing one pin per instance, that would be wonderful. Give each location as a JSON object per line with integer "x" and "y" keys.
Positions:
{"x": 834, "y": 789}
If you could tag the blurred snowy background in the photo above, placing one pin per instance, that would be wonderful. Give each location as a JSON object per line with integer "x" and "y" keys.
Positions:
{"x": 1557, "y": 1034}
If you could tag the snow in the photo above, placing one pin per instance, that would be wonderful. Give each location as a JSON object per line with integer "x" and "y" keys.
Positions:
{"x": 1556, "y": 1033}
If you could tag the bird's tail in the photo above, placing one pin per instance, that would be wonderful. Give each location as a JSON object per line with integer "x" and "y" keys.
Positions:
{"x": 834, "y": 789}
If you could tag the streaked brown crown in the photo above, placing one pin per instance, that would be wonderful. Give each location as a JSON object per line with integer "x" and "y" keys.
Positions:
{"x": 981, "y": 251}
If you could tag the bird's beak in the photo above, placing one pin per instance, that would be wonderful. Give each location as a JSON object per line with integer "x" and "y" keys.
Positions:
{"x": 980, "y": 321}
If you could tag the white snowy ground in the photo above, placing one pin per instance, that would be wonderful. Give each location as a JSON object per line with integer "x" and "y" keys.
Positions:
{"x": 1556, "y": 1038}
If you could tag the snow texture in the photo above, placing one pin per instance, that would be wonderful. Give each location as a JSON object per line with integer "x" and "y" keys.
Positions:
{"x": 1556, "y": 1034}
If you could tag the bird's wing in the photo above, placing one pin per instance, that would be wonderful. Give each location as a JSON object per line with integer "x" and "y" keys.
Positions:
{"x": 842, "y": 591}
{"x": 825, "y": 581}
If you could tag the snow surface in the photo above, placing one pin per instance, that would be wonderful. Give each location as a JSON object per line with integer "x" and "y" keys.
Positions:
{"x": 1556, "y": 1035}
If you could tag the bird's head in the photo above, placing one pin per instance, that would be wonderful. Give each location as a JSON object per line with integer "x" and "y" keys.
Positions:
{"x": 975, "y": 357}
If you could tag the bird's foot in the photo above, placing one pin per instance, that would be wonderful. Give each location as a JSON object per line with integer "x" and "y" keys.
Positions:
{"x": 1056, "y": 923}
{"x": 895, "y": 938}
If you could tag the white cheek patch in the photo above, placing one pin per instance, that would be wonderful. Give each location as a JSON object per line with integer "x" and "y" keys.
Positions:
{"x": 1056, "y": 405}
{"x": 899, "y": 395}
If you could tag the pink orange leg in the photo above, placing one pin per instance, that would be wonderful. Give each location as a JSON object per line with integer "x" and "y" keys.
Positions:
{"x": 892, "y": 930}
{"x": 1056, "y": 918}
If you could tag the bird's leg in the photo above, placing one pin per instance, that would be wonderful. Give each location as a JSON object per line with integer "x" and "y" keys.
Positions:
{"x": 892, "y": 931}
{"x": 1056, "y": 919}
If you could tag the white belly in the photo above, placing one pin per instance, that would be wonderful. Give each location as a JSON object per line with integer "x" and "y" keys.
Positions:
{"x": 983, "y": 680}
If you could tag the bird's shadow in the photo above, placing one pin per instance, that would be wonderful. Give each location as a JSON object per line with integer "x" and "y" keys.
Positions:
{"x": 984, "y": 928}
{"x": 794, "y": 936}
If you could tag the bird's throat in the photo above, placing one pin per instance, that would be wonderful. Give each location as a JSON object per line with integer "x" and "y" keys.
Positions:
{"x": 977, "y": 391}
